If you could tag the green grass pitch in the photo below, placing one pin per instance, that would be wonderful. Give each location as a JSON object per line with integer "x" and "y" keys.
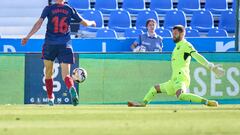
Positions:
{"x": 119, "y": 120}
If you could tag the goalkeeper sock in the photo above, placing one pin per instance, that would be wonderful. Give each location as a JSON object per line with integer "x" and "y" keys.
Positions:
{"x": 150, "y": 95}
{"x": 69, "y": 82}
{"x": 49, "y": 86}
{"x": 192, "y": 98}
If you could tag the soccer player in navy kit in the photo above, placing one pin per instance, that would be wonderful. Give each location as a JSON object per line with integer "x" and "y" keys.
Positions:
{"x": 57, "y": 44}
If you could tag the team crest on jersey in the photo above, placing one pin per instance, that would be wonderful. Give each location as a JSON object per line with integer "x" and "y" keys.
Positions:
{"x": 178, "y": 47}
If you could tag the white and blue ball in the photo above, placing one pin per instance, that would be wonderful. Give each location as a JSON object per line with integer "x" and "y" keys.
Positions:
{"x": 79, "y": 75}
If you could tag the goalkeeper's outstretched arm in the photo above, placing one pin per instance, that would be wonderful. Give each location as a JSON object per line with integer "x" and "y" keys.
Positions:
{"x": 217, "y": 69}
{"x": 200, "y": 59}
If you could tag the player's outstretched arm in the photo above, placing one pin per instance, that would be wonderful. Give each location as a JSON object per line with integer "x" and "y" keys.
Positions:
{"x": 217, "y": 69}
{"x": 85, "y": 22}
{"x": 35, "y": 28}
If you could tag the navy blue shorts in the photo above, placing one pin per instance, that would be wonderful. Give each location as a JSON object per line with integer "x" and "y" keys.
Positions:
{"x": 63, "y": 53}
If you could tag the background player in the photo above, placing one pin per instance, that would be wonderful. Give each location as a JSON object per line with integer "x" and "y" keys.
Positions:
{"x": 180, "y": 79}
{"x": 57, "y": 44}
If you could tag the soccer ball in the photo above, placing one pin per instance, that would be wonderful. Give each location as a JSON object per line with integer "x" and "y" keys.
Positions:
{"x": 79, "y": 75}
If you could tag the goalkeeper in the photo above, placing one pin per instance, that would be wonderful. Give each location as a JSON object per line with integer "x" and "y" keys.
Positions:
{"x": 180, "y": 80}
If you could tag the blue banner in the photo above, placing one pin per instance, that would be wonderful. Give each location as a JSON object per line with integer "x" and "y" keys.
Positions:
{"x": 35, "y": 89}
{"x": 118, "y": 45}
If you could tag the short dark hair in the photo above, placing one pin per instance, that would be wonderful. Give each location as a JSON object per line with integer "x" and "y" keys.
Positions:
{"x": 151, "y": 20}
{"x": 180, "y": 28}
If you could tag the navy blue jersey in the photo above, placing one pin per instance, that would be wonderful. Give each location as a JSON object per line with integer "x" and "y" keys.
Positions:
{"x": 58, "y": 26}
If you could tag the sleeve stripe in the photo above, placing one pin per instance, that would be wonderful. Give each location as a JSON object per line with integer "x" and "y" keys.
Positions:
{"x": 192, "y": 52}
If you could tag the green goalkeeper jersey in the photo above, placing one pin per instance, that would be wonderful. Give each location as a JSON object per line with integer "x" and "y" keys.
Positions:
{"x": 181, "y": 58}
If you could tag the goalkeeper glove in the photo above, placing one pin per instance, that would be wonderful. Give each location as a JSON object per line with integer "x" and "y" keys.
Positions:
{"x": 217, "y": 69}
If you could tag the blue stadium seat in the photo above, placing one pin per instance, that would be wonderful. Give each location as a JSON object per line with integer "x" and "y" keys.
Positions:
{"x": 130, "y": 33}
{"x": 133, "y": 6}
{"x": 80, "y": 5}
{"x": 216, "y": 7}
{"x": 189, "y": 6}
{"x": 217, "y": 33}
{"x": 106, "y": 33}
{"x": 192, "y": 33}
{"x": 174, "y": 18}
{"x": 234, "y": 5}
{"x": 227, "y": 21}
{"x": 94, "y": 15}
{"x": 202, "y": 21}
{"x": 161, "y": 6}
{"x": 163, "y": 32}
{"x": 142, "y": 18}
{"x": 106, "y": 6}
{"x": 119, "y": 20}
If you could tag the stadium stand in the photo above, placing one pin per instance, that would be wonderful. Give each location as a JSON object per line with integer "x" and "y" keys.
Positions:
{"x": 173, "y": 18}
{"x": 217, "y": 33}
{"x": 18, "y": 16}
{"x": 106, "y": 33}
{"x": 202, "y": 21}
{"x": 192, "y": 32}
{"x": 227, "y": 21}
{"x": 95, "y": 15}
{"x": 133, "y": 6}
{"x": 80, "y": 5}
{"x": 216, "y": 7}
{"x": 119, "y": 20}
{"x": 188, "y": 6}
{"x": 132, "y": 32}
{"x": 163, "y": 32}
{"x": 142, "y": 18}
{"x": 106, "y": 6}
{"x": 161, "y": 6}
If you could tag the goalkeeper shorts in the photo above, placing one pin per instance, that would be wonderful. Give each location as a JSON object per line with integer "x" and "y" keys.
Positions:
{"x": 170, "y": 87}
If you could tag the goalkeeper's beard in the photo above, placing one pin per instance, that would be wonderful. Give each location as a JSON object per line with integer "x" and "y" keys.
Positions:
{"x": 176, "y": 39}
